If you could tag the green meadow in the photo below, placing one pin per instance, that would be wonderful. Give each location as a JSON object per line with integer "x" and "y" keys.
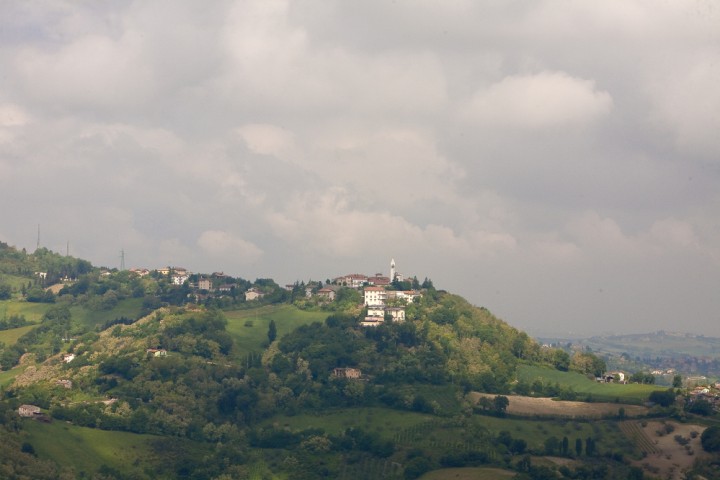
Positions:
{"x": 587, "y": 388}
{"x": 87, "y": 449}
{"x": 14, "y": 281}
{"x": 9, "y": 337}
{"x": 249, "y": 328}
{"x": 8, "y": 376}
{"x": 129, "y": 308}
{"x": 32, "y": 312}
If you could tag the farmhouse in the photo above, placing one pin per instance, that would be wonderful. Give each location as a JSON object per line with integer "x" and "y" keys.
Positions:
{"x": 347, "y": 372}
{"x": 68, "y": 357}
{"x": 157, "y": 352}
{"x": 28, "y": 411}
{"x": 327, "y": 293}
{"x": 253, "y": 294}
{"x": 205, "y": 284}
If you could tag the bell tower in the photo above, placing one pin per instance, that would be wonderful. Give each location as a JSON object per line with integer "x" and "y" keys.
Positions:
{"x": 392, "y": 270}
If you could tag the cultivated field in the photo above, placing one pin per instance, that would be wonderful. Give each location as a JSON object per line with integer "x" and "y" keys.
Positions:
{"x": 530, "y": 407}
{"x": 665, "y": 457}
{"x": 468, "y": 474}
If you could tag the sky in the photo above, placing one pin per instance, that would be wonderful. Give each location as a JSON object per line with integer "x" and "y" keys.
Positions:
{"x": 555, "y": 162}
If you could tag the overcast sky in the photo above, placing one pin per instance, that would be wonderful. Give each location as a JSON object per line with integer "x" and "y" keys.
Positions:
{"x": 555, "y": 162}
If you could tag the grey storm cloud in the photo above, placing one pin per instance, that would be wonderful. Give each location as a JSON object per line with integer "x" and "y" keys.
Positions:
{"x": 555, "y": 162}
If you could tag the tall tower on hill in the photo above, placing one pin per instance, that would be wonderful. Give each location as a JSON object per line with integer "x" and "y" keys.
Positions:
{"x": 392, "y": 270}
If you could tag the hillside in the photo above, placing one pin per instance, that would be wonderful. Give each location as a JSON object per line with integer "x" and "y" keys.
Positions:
{"x": 169, "y": 381}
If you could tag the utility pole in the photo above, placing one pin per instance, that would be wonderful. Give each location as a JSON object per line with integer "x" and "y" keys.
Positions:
{"x": 122, "y": 260}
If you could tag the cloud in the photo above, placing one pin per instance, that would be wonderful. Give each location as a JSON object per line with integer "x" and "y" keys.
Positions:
{"x": 687, "y": 101}
{"x": 546, "y": 99}
{"x": 267, "y": 139}
{"x": 219, "y": 243}
{"x": 329, "y": 223}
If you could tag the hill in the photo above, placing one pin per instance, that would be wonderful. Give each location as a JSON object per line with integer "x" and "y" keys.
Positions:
{"x": 170, "y": 381}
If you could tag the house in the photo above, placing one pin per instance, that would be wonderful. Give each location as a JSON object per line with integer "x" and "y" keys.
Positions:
{"x": 353, "y": 280}
{"x": 68, "y": 357}
{"x": 64, "y": 383}
{"x": 397, "y": 313}
{"x": 226, "y": 288}
{"x": 375, "y": 296}
{"x": 346, "y": 372}
{"x": 157, "y": 352}
{"x": 205, "y": 284}
{"x": 253, "y": 294}
{"x": 376, "y": 311}
{"x": 611, "y": 377}
{"x": 28, "y": 411}
{"x": 372, "y": 321}
{"x": 140, "y": 272}
{"x": 378, "y": 280}
{"x": 406, "y": 295}
{"x": 327, "y": 293}
{"x": 179, "y": 279}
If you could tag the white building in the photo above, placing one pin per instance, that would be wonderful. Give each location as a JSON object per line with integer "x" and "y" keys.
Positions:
{"x": 375, "y": 296}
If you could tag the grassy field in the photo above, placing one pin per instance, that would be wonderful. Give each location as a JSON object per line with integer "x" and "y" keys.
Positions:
{"x": 385, "y": 421}
{"x": 87, "y": 449}
{"x": 251, "y": 338}
{"x": 9, "y": 337}
{"x": 32, "y": 312}
{"x": 584, "y": 387}
{"x": 468, "y": 474}
{"x": 8, "y": 376}
{"x": 13, "y": 280}
{"x": 129, "y": 308}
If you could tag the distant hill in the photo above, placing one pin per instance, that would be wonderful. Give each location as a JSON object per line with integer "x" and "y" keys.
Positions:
{"x": 684, "y": 353}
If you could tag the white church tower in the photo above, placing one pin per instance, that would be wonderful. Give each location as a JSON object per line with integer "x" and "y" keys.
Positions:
{"x": 392, "y": 270}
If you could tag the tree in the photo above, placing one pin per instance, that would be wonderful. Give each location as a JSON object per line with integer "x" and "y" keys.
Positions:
{"x": 677, "y": 381}
{"x": 578, "y": 446}
{"x": 272, "y": 331}
{"x": 589, "y": 446}
{"x": 710, "y": 439}
{"x": 664, "y": 398}
{"x": 500, "y": 404}
{"x": 5, "y": 292}
{"x": 561, "y": 360}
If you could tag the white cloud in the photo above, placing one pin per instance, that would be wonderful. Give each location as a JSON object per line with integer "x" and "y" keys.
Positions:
{"x": 546, "y": 99}
{"x": 220, "y": 243}
{"x": 267, "y": 139}
{"x": 13, "y": 116}
{"x": 687, "y": 101}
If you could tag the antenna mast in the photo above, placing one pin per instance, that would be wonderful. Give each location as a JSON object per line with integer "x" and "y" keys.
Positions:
{"x": 122, "y": 259}
{"x": 38, "y": 239}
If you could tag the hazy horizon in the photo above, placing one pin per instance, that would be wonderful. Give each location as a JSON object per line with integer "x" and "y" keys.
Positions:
{"x": 554, "y": 162}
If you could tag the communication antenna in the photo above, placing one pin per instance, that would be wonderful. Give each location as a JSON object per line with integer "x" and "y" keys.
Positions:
{"x": 67, "y": 249}
{"x": 38, "y": 239}
{"x": 122, "y": 259}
